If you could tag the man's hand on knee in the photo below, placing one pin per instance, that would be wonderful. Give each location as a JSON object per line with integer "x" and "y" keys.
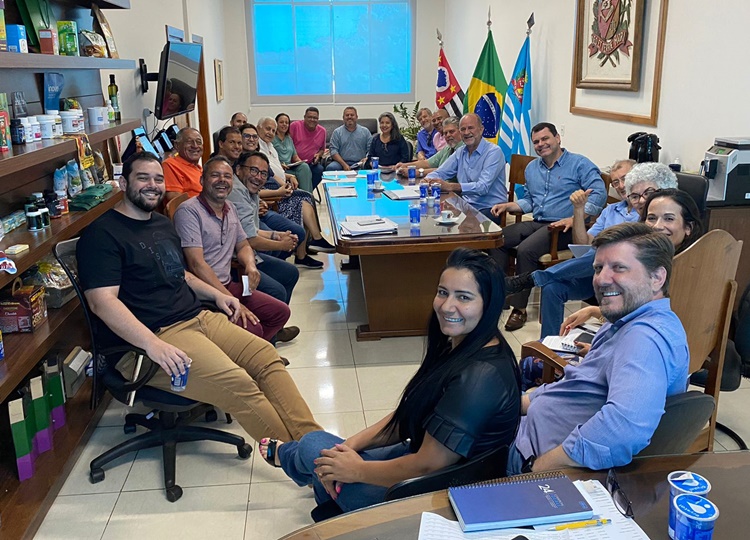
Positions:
{"x": 171, "y": 359}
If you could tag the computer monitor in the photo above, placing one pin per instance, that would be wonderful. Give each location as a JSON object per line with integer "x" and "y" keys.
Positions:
{"x": 178, "y": 79}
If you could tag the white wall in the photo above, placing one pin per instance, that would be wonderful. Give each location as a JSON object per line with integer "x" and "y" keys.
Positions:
{"x": 705, "y": 81}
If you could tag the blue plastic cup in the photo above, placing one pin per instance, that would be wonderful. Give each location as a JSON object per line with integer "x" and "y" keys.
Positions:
{"x": 179, "y": 382}
{"x": 684, "y": 482}
{"x": 412, "y": 174}
{"x": 695, "y": 517}
{"x": 375, "y": 162}
{"x": 423, "y": 189}
{"x": 436, "y": 191}
{"x": 372, "y": 177}
{"x": 414, "y": 214}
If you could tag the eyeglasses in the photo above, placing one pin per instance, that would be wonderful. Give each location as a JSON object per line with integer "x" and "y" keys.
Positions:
{"x": 622, "y": 503}
{"x": 617, "y": 182}
{"x": 255, "y": 171}
{"x": 635, "y": 197}
{"x": 250, "y": 136}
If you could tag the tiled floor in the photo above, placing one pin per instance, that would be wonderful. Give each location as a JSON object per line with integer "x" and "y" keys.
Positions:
{"x": 347, "y": 384}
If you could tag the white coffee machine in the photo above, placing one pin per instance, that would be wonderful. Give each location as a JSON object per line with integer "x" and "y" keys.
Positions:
{"x": 727, "y": 167}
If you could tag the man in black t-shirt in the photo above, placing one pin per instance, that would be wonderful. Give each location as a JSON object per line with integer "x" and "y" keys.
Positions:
{"x": 133, "y": 274}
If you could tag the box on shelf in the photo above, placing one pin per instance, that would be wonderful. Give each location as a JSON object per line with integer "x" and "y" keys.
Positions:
{"x": 16, "y": 37}
{"x": 5, "y": 140}
{"x": 3, "y": 35}
{"x": 67, "y": 33}
{"x": 24, "y": 309}
{"x": 48, "y": 42}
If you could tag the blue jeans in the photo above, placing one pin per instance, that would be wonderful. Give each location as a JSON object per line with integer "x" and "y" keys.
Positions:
{"x": 273, "y": 221}
{"x": 297, "y": 460}
{"x": 277, "y": 277}
{"x": 336, "y": 166}
{"x": 570, "y": 280}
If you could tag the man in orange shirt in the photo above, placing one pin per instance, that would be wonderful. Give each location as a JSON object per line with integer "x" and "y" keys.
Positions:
{"x": 182, "y": 173}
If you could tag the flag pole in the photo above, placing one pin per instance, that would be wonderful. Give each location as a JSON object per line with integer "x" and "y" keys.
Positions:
{"x": 529, "y": 24}
{"x": 439, "y": 37}
{"x": 489, "y": 17}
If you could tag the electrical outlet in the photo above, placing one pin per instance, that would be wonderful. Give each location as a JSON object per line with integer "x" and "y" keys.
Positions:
{"x": 145, "y": 115}
{"x": 561, "y": 129}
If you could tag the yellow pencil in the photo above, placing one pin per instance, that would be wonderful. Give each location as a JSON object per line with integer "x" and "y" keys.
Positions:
{"x": 581, "y": 524}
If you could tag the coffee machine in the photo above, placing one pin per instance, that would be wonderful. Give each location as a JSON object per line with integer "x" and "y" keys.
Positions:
{"x": 644, "y": 147}
{"x": 727, "y": 167}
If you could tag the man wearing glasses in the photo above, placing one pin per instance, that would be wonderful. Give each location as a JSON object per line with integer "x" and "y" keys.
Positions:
{"x": 605, "y": 409}
{"x": 210, "y": 235}
{"x": 571, "y": 280}
{"x": 182, "y": 173}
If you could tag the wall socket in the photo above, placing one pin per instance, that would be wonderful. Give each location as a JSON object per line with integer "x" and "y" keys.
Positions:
{"x": 145, "y": 116}
{"x": 561, "y": 130}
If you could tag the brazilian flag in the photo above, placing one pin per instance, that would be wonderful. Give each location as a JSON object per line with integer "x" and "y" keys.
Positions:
{"x": 487, "y": 89}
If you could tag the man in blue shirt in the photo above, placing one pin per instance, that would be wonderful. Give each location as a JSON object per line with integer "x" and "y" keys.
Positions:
{"x": 425, "y": 145}
{"x": 605, "y": 409}
{"x": 349, "y": 143}
{"x": 571, "y": 280}
{"x": 550, "y": 180}
{"x": 479, "y": 167}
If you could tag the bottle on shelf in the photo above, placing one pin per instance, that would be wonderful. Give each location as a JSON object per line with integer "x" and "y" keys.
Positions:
{"x": 110, "y": 112}
{"x": 114, "y": 96}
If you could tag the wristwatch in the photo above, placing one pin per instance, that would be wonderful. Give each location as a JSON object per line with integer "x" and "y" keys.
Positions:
{"x": 528, "y": 464}
{"x": 421, "y": 172}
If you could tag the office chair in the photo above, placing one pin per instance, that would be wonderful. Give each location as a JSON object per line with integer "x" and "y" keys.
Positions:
{"x": 697, "y": 187}
{"x": 174, "y": 413}
{"x": 486, "y": 466}
{"x": 685, "y": 416}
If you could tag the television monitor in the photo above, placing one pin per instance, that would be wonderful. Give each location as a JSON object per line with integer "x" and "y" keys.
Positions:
{"x": 178, "y": 79}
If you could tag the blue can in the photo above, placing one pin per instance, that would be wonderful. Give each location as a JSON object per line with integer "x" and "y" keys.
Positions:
{"x": 375, "y": 162}
{"x": 412, "y": 174}
{"x": 179, "y": 382}
{"x": 415, "y": 231}
{"x": 436, "y": 192}
{"x": 372, "y": 176}
{"x": 423, "y": 187}
{"x": 696, "y": 517}
{"x": 414, "y": 214}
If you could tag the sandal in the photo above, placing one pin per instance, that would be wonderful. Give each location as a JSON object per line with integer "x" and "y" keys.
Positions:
{"x": 270, "y": 456}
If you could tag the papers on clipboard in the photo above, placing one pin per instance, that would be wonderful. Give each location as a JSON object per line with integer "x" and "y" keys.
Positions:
{"x": 342, "y": 191}
{"x": 409, "y": 192}
{"x": 360, "y": 225}
{"x": 567, "y": 343}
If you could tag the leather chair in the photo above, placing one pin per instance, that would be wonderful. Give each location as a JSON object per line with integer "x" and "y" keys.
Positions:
{"x": 697, "y": 187}
{"x": 174, "y": 413}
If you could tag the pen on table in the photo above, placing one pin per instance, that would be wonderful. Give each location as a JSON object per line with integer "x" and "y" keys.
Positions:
{"x": 581, "y": 524}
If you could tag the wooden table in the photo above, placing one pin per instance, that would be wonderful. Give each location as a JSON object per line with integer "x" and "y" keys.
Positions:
{"x": 644, "y": 481}
{"x": 400, "y": 271}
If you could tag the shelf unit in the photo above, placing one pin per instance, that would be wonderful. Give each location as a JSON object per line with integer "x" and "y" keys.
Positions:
{"x": 11, "y": 60}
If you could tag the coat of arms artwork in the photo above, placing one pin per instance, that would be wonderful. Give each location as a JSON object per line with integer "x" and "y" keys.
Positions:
{"x": 609, "y": 44}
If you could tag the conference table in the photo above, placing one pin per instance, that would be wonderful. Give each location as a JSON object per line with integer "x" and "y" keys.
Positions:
{"x": 644, "y": 482}
{"x": 400, "y": 271}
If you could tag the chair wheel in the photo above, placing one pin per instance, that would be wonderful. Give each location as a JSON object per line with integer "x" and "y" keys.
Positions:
{"x": 174, "y": 493}
{"x": 211, "y": 416}
{"x": 96, "y": 475}
{"x": 244, "y": 451}
{"x": 129, "y": 428}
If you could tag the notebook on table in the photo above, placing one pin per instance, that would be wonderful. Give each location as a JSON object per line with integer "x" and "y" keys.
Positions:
{"x": 534, "y": 499}
{"x": 567, "y": 343}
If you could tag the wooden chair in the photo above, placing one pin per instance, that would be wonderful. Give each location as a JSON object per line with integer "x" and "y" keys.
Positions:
{"x": 516, "y": 177}
{"x": 702, "y": 291}
{"x": 172, "y": 205}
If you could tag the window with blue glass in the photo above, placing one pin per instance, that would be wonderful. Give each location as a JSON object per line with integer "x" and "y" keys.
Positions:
{"x": 331, "y": 51}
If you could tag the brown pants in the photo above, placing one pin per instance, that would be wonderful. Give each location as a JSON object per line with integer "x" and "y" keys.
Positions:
{"x": 239, "y": 373}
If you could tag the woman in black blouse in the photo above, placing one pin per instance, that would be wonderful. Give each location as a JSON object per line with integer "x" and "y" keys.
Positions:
{"x": 390, "y": 146}
{"x": 464, "y": 400}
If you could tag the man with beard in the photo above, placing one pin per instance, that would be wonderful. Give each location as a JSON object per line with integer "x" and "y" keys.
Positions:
{"x": 133, "y": 275}
{"x": 453, "y": 142}
{"x": 606, "y": 409}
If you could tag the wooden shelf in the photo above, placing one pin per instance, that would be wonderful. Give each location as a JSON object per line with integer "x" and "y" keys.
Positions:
{"x": 23, "y": 505}
{"x": 24, "y": 156}
{"x": 41, "y": 242}
{"x": 53, "y": 61}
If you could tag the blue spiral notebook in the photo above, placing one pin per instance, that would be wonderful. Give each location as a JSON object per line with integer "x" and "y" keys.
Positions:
{"x": 533, "y": 499}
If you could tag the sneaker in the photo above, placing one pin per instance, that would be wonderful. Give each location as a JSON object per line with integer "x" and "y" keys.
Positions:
{"x": 320, "y": 246}
{"x": 519, "y": 283}
{"x": 288, "y": 333}
{"x": 308, "y": 262}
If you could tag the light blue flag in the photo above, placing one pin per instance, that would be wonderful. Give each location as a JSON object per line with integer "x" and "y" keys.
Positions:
{"x": 515, "y": 129}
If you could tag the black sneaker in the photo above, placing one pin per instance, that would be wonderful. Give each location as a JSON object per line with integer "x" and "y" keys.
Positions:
{"x": 516, "y": 284}
{"x": 308, "y": 262}
{"x": 320, "y": 246}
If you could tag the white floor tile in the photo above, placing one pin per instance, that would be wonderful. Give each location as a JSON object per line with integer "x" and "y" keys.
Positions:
{"x": 351, "y": 287}
{"x": 264, "y": 473}
{"x": 312, "y": 291}
{"x": 381, "y": 386}
{"x": 114, "y": 416}
{"x": 320, "y": 348}
{"x": 115, "y": 472}
{"x": 373, "y": 417}
{"x": 329, "y": 272}
{"x": 202, "y": 512}
{"x": 733, "y": 413}
{"x": 324, "y": 315}
{"x": 276, "y": 509}
{"x": 199, "y": 463}
{"x": 328, "y": 391}
{"x": 77, "y": 517}
{"x": 356, "y": 314}
{"x": 343, "y": 424}
{"x": 407, "y": 350}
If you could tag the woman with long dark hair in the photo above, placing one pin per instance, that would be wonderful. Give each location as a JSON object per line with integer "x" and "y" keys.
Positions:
{"x": 390, "y": 146}
{"x": 463, "y": 400}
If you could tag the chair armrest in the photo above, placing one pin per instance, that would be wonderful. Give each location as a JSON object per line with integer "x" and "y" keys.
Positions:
{"x": 552, "y": 361}
{"x": 144, "y": 375}
{"x": 554, "y": 239}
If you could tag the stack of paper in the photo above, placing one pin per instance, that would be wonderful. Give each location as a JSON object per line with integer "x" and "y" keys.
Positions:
{"x": 567, "y": 342}
{"x": 338, "y": 175}
{"x": 342, "y": 191}
{"x": 359, "y": 225}
{"x": 409, "y": 192}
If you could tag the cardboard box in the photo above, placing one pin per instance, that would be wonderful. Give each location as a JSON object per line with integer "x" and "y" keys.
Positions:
{"x": 5, "y": 141}
{"x": 16, "y": 36}
{"x": 48, "y": 41}
{"x": 23, "y": 310}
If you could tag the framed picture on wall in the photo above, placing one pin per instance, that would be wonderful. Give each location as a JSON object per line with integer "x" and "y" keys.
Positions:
{"x": 219, "y": 79}
{"x": 609, "y": 44}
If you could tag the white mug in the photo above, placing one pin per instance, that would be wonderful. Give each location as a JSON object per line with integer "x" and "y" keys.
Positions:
{"x": 378, "y": 184}
{"x": 446, "y": 215}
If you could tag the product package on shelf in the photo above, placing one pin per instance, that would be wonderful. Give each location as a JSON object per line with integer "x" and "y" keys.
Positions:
{"x": 5, "y": 139}
{"x": 22, "y": 308}
{"x": 3, "y": 35}
{"x": 53, "y": 383}
{"x": 15, "y": 34}
{"x": 48, "y": 41}
{"x": 106, "y": 31}
{"x": 42, "y": 419}
{"x": 67, "y": 34}
{"x": 57, "y": 286}
{"x": 23, "y": 430}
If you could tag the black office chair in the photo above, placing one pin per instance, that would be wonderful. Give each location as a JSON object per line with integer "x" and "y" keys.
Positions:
{"x": 486, "y": 466}
{"x": 174, "y": 413}
{"x": 685, "y": 416}
{"x": 697, "y": 187}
